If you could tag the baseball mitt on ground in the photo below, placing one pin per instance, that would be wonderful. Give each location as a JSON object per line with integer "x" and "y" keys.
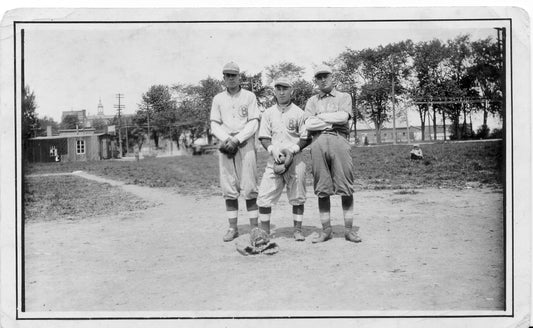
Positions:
{"x": 259, "y": 244}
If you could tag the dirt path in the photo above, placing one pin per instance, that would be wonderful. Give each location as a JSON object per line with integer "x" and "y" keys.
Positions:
{"x": 433, "y": 250}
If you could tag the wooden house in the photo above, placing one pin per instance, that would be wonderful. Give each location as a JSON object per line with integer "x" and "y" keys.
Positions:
{"x": 71, "y": 147}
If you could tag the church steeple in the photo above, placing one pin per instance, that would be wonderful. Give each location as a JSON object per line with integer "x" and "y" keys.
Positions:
{"x": 100, "y": 107}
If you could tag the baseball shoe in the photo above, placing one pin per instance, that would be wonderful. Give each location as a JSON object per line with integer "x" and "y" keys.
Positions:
{"x": 231, "y": 234}
{"x": 351, "y": 235}
{"x": 325, "y": 234}
{"x": 298, "y": 235}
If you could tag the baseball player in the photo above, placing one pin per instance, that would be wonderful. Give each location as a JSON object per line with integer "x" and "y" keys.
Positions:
{"x": 282, "y": 134}
{"x": 234, "y": 121}
{"x": 416, "y": 152}
{"x": 327, "y": 115}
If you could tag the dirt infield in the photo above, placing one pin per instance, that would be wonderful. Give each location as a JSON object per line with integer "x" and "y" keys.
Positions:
{"x": 429, "y": 249}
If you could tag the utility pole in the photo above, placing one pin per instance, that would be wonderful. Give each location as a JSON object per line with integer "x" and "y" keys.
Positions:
{"x": 393, "y": 106}
{"x": 407, "y": 122}
{"x": 148, "y": 118}
{"x": 119, "y": 107}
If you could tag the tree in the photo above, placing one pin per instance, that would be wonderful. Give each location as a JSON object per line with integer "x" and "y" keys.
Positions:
{"x": 194, "y": 107}
{"x": 302, "y": 91}
{"x": 429, "y": 77}
{"x": 43, "y": 123}
{"x": 70, "y": 122}
{"x": 30, "y": 122}
{"x": 285, "y": 69}
{"x": 460, "y": 84}
{"x": 99, "y": 124}
{"x": 158, "y": 110}
{"x": 376, "y": 70}
{"x": 486, "y": 73}
{"x": 347, "y": 75}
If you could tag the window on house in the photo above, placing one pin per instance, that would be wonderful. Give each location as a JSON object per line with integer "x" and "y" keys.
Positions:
{"x": 404, "y": 133}
{"x": 80, "y": 146}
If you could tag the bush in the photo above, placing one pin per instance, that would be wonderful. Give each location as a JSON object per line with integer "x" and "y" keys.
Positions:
{"x": 496, "y": 134}
{"x": 482, "y": 133}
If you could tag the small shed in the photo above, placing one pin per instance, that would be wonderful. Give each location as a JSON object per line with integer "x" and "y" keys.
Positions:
{"x": 68, "y": 148}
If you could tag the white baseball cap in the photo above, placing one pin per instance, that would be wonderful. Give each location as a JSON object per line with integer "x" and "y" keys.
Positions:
{"x": 231, "y": 68}
{"x": 283, "y": 81}
{"x": 322, "y": 69}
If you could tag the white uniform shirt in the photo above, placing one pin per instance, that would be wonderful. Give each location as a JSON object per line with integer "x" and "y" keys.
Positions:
{"x": 283, "y": 125}
{"x": 232, "y": 112}
{"x": 332, "y": 102}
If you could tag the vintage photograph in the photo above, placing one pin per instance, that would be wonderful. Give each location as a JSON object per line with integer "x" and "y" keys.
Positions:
{"x": 267, "y": 166}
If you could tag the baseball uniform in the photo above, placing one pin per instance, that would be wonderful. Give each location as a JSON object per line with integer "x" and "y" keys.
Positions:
{"x": 284, "y": 125}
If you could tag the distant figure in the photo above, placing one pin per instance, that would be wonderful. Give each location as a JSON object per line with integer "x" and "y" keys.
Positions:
{"x": 416, "y": 152}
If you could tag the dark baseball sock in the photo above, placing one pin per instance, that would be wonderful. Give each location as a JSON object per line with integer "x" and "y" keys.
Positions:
{"x": 298, "y": 209}
{"x": 265, "y": 210}
{"x": 233, "y": 223}
{"x": 251, "y": 207}
{"x": 324, "y": 207}
{"x": 264, "y": 213}
{"x": 265, "y": 225}
{"x": 251, "y": 204}
{"x": 297, "y": 225}
{"x": 232, "y": 205}
{"x": 324, "y": 204}
{"x": 347, "y": 207}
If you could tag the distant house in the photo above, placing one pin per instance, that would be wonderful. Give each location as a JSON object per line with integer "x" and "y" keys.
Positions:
{"x": 386, "y": 135}
{"x": 415, "y": 134}
{"x": 100, "y": 116}
{"x": 80, "y": 114}
{"x": 71, "y": 145}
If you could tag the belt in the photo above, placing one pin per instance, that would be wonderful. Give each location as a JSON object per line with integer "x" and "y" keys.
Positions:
{"x": 332, "y": 132}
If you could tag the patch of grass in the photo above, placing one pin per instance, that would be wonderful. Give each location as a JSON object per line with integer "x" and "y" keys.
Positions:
{"x": 71, "y": 197}
{"x": 406, "y": 192}
{"x": 384, "y": 167}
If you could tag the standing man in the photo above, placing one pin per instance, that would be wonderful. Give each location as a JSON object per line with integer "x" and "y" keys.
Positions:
{"x": 282, "y": 134}
{"x": 327, "y": 114}
{"x": 234, "y": 121}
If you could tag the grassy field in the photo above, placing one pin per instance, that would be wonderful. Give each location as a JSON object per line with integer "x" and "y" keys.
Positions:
{"x": 453, "y": 165}
{"x": 45, "y": 198}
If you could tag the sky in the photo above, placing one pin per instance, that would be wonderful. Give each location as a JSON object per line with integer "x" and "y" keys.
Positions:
{"x": 73, "y": 66}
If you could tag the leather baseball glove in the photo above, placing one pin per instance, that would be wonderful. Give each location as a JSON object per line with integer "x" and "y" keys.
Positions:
{"x": 284, "y": 161}
{"x": 229, "y": 147}
{"x": 259, "y": 244}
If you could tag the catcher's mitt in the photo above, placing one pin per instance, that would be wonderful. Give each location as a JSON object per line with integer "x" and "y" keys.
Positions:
{"x": 259, "y": 244}
{"x": 283, "y": 162}
{"x": 259, "y": 237}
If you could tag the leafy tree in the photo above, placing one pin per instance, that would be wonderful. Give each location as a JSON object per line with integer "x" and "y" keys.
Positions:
{"x": 158, "y": 110}
{"x": 30, "y": 122}
{"x": 285, "y": 69}
{"x": 460, "y": 85}
{"x": 347, "y": 75}
{"x": 430, "y": 76}
{"x": 486, "y": 73}
{"x": 263, "y": 93}
{"x": 43, "y": 123}
{"x": 99, "y": 124}
{"x": 194, "y": 108}
{"x": 376, "y": 70}
{"x": 70, "y": 122}
{"x": 302, "y": 91}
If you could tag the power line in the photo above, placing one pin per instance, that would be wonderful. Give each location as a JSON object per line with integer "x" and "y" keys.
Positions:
{"x": 119, "y": 108}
